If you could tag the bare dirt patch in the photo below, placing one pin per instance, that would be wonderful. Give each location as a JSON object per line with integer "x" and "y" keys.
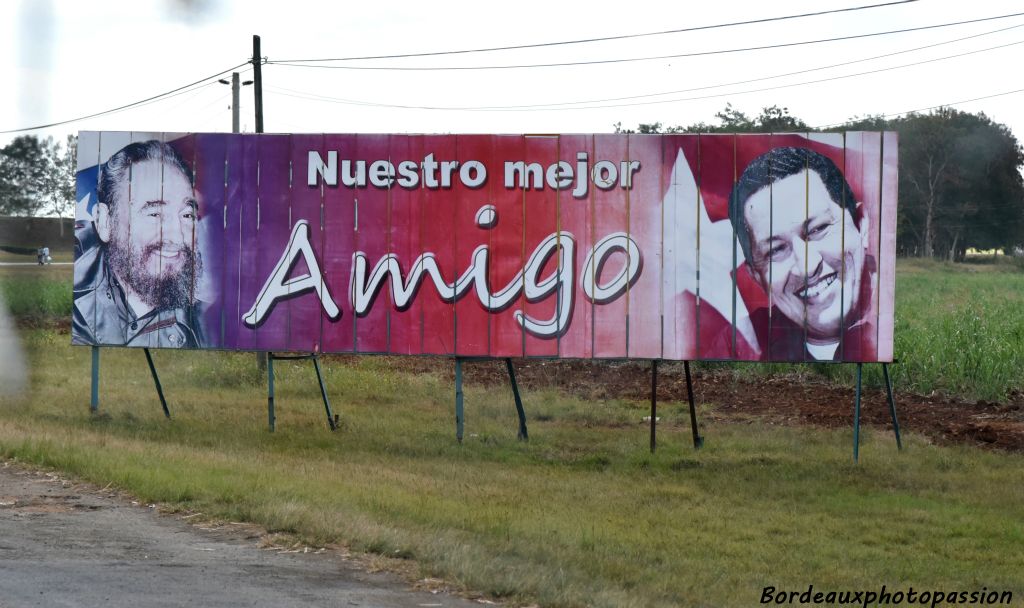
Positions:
{"x": 788, "y": 399}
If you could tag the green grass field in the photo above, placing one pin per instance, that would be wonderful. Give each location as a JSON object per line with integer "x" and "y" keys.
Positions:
{"x": 583, "y": 514}
{"x": 960, "y": 329}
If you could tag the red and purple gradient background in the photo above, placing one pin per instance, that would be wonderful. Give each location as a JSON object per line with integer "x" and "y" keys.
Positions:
{"x": 252, "y": 190}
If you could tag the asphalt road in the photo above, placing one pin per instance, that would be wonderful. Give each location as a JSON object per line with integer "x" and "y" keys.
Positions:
{"x": 67, "y": 545}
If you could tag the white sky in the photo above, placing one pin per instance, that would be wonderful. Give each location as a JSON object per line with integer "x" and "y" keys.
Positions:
{"x": 66, "y": 58}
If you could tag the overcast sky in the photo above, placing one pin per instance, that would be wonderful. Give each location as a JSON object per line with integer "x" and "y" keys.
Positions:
{"x": 64, "y": 59}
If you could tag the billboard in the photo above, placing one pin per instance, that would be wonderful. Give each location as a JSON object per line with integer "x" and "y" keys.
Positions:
{"x": 765, "y": 247}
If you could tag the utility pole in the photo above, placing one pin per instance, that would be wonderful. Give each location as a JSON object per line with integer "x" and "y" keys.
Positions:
{"x": 257, "y": 76}
{"x": 257, "y": 70}
{"x": 235, "y": 100}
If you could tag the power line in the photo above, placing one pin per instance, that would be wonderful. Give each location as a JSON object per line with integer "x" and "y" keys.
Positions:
{"x": 194, "y": 90}
{"x": 195, "y": 94}
{"x": 215, "y": 116}
{"x": 297, "y": 64}
{"x": 603, "y": 39}
{"x": 773, "y": 77}
{"x": 941, "y": 105}
{"x": 734, "y": 83}
{"x": 799, "y": 84}
{"x": 562, "y": 107}
{"x": 126, "y": 106}
{"x": 225, "y": 95}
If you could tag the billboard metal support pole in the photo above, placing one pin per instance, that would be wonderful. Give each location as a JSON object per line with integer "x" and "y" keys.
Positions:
{"x": 94, "y": 397}
{"x": 892, "y": 406}
{"x": 523, "y": 434}
{"x": 156, "y": 381}
{"x": 654, "y": 403}
{"x": 270, "y": 390}
{"x": 698, "y": 441}
{"x": 856, "y": 416}
{"x": 331, "y": 420}
{"x": 458, "y": 399}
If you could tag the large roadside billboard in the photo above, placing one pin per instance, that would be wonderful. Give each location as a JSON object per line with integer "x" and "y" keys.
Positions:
{"x": 688, "y": 247}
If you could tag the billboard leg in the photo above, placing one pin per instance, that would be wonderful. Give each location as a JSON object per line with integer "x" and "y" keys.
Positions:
{"x": 654, "y": 404}
{"x": 94, "y": 395}
{"x": 323, "y": 393}
{"x": 458, "y": 400}
{"x": 698, "y": 441}
{"x": 856, "y": 416}
{"x": 156, "y": 381}
{"x": 270, "y": 390}
{"x": 892, "y": 406}
{"x": 523, "y": 434}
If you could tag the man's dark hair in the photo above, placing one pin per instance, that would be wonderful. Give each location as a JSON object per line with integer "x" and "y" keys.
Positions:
{"x": 115, "y": 170}
{"x": 778, "y": 164}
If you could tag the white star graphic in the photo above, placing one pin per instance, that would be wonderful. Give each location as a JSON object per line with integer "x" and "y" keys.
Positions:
{"x": 684, "y": 210}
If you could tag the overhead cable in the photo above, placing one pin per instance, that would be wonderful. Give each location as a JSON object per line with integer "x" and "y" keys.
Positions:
{"x": 165, "y": 94}
{"x": 725, "y": 84}
{"x": 306, "y": 62}
{"x": 929, "y": 108}
{"x": 562, "y": 107}
{"x": 605, "y": 38}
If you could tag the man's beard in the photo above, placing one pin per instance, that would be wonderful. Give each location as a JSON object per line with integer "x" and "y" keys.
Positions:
{"x": 169, "y": 289}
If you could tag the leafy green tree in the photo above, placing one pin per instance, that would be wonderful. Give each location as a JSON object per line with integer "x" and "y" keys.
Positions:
{"x": 868, "y": 122}
{"x": 733, "y": 121}
{"x": 59, "y": 181}
{"x": 960, "y": 184}
{"x": 929, "y": 173}
{"x": 778, "y": 120}
{"x": 647, "y": 128}
{"x": 730, "y": 120}
{"x": 23, "y": 171}
{"x": 991, "y": 212}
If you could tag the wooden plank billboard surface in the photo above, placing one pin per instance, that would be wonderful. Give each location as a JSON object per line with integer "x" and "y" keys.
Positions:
{"x": 714, "y": 247}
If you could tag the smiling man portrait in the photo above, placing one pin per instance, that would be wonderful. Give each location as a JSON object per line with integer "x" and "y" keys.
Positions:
{"x": 805, "y": 237}
{"x": 139, "y": 283}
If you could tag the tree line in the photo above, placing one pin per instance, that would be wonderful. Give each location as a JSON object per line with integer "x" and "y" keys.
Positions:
{"x": 960, "y": 184}
{"x": 37, "y": 176}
